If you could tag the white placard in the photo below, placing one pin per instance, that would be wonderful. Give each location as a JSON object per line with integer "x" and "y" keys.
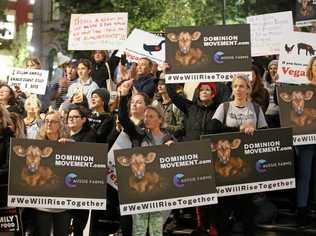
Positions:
{"x": 29, "y": 80}
{"x": 100, "y": 31}
{"x": 268, "y": 31}
{"x": 143, "y": 44}
{"x": 296, "y": 51}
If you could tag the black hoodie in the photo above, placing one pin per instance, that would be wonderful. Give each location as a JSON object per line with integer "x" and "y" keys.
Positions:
{"x": 196, "y": 115}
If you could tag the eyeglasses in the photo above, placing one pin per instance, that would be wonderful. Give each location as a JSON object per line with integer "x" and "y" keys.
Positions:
{"x": 51, "y": 121}
{"x": 73, "y": 117}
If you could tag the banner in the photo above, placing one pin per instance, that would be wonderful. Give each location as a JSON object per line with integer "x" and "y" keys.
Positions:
{"x": 297, "y": 51}
{"x": 165, "y": 177}
{"x": 268, "y": 31}
{"x": 29, "y": 80}
{"x": 143, "y": 44}
{"x": 298, "y": 110}
{"x": 10, "y": 221}
{"x": 99, "y": 31}
{"x": 213, "y": 53}
{"x": 305, "y": 12}
{"x": 49, "y": 174}
{"x": 251, "y": 164}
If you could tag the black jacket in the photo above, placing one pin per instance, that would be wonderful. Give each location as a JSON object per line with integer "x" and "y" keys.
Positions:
{"x": 196, "y": 116}
{"x": 103, "y": 124}
{"x": 100, "y": 72}
{"x": 86, "y": 134}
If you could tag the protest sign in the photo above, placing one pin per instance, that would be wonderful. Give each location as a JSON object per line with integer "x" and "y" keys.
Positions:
{"x": 49, "y": 174}
{"x": 251, "y": 164}
{"x": 28, "y": 80}
{"x": 268, "y": 31}
{"x": 296, "y": 52}
{"x": 298, "y": 110}
{"x": 143, "y": 44}
{"x": 165, "y": 177}
{"x": 305, "y": 12}
{"x": 10, "y": 221}
{"x": 213, "y": 53}
{"x": 99, "y": 31}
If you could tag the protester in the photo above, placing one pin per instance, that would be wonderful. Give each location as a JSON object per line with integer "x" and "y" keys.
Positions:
{"x": 311, "y": 71}
{"x": 32, "y": 121}
{"x": 84, "y": 84}
{"x": 143, "y": 80}
{"x": 5, "y": 134}
{"x": 100, "y": 119}
{"x": 173, "y": 117}
{"x": 8, "y": 99}
{"x": 245, "y": 116}
{"x": 47, "y": 220}
{"x": 18, "y": 126}
{"x": 151, "y": 135}
{"x": 80, "y": 131}
{"x": 270, "y": 80}
{"x": 198, "y": 112}
{"x": 103, "y": 69}
{"x": 259, "y": 94}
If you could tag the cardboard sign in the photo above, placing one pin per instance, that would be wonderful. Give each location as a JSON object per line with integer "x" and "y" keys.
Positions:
{"x": 144, "y": 44}
{"x": 10, "y": 220}
{"x": 305, "y": 12}
{"x": 298, "y": 110}
{"x": 213, "y": 53}
{"x": 251, "y": 164}
{"x": 99, "y": 31}
{"x": 49, "y": 174}
{"x": 297, "y": 50}
{"x": 268, "y": 31}
{"x": 29, "y": 80}
{"x": 163, "y": 178}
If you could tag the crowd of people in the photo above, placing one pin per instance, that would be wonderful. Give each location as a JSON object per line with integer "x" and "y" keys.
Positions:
{"x": 97, "y": 99}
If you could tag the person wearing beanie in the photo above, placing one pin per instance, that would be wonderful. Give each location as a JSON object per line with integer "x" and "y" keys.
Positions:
{"x": 100, "y": 118}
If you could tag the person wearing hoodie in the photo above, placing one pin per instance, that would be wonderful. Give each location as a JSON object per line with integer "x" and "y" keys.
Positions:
{"x": 100, "y": 119}
{"x": 198, "y": 112}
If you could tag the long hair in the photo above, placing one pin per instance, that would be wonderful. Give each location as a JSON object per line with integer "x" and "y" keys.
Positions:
{"x": 62, "y": 131}
{"x": 12, "y": 100}
{"x": 309, "y": 72}
{"x": 19, "y": 125}
{"x": 258, "y": 85}
{"x": 5, "y": 115}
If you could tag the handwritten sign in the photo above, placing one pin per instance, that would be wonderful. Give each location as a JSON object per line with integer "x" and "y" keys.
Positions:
{"x": 268, "y": 31}
{"x": 100, "y": 31}
{"x": 29, "y": 80}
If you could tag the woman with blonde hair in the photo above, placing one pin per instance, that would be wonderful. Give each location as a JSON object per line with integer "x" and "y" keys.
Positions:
{"x": 32, "y": 106}
{"x": 46, "y": 219}
{"x": 238, "y": 115}
{"x": 311, "y": 71}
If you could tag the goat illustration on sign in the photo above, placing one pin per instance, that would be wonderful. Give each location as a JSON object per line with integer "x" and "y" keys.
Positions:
{"x": 140, "y": 180}
{"x": 34, "y": 174}
{"x": 225, "y": 164}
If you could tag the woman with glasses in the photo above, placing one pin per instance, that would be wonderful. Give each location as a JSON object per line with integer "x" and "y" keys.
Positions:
{"x": 48, "y": 219}
{"x": 80, "y": 131}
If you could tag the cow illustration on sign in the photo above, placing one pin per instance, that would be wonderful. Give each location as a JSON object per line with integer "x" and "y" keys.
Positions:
{"x": 33, "y": 173}
{"x": 225, "y": 164}
{"x": 300, "y": 115}
{"x": 140, "y": 180}
{"x": 185, "y": 54}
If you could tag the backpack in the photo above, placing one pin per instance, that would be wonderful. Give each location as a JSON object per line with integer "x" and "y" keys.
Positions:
{"x": 255, "y": 105}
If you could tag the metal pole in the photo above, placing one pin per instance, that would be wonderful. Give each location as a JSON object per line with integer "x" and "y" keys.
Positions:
{"x": 224, "y": 12}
